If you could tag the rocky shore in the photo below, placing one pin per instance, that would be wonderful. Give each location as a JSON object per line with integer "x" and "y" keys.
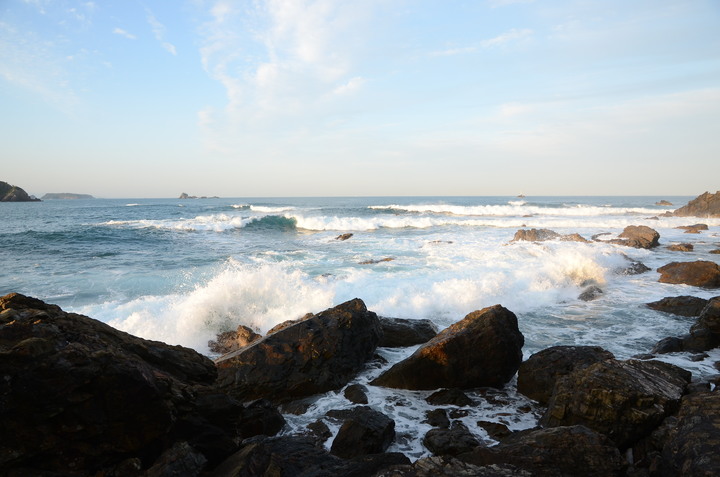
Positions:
{"x": 80, "y": 398}
{"x": 11, "y": 193}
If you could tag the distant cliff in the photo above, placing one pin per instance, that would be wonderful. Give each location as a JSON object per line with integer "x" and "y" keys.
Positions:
{"x": 11, "y": 193}
{"x": 65, "y": 195}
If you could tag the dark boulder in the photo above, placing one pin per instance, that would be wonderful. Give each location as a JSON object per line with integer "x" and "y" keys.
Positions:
{"x": 709, "y": 317}
{"x": 447, "y": 466}
{"x": 315, "y": 355}
{"x": 401, "y": 332}
{"x": 437, "y": 418}
{"x": 693, "y": 442}
{"x": 356, "y": 393}
{"x": 556, "y": 452}
{"x": 637, "y": 236}
{"x": 539, "y": 373}
{"x": 625, "y": 400}
{"x": 343, "y": 237}
{"x": 541, "y": 235}
{"x": 233, "y": 340}
{"x": 681, "y": 247}
{"x": 364, "y": 431}
{"x": 593, "y": 292}
{"x": 483, "y": 349}
{"x": 450, "y": 441}
{"x": 11, "y": 193}
{"x": 704, "y": 205}
{"x": 680, "y": 305}
{"x": 78, "y": 396}
{"x": 701, "y": 273}
{"x": 454, "y": 397}
{"x": 635, "y": 268}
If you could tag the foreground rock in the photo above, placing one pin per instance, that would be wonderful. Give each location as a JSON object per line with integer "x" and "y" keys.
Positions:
{"x": 483, "y": 349}
{"x": 704, "y": 334}
{"x": 541, "y": 235}
{"x": 625, "y": 400}
{"x": 446, "y": 466}
{"x": 11, "y": 193}
{"x": 454, "y": 440}
{"x": 705, "y": 205}
{"x": 364, "y": 431}
{"x": 701, "y": 273}
{"x": 561, "y": 451}
{"x": 318, "y": 354}
{"x": 680, "y": 305}
{"x": 79, "y": 397}
{"x": 400, "y": 332}
{"x": 539, "y": 373}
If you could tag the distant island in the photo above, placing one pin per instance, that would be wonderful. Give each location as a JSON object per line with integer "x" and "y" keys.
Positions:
{"x": 65, "y": 195}
{"x": 11, "y": 193}
{"x": 185, "y": 196}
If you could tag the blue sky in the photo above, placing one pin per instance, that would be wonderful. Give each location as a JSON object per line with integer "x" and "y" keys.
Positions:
{"x": 371, "y": 97}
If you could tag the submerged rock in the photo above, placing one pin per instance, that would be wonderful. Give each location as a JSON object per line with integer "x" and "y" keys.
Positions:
{"x": 312, "y": 356}
{"x": 483, "y": 349}
{"x": 701, "y": 273}
{"x": 591, "y": 293}
{"x": 625, "y": 400}
{"x": 704, "y": 205}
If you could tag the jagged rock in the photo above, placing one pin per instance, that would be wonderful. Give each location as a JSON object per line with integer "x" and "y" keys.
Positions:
{"x": 495, "y": 430}
{"x": 681, "y": 247}
{"x": 680, "y": 305}
{"x": 591, "y": 293}
{"x": 670, "y": 344}
{"x": 693, "y": 229}
{"x": 312, "y": 356}
{"x": 446, "y": 466}
{"x": 343, "y": 237}
{"x": 233, "y": 340}
{"x": 364, "y": 431}
{"x": 180, "y": 459}
{"x": 356, "y": 393}
{"x": 298, "y": 456}
{"x": 437, "y": 418}
{"x": 556, "y": 452}
{"x": 709, "y": 317}
{"x": 663, "y": 202}
{"x": 373, "y": 261}
{"x": 400, "y": 332}
{"x": 453, "y": 441}
{"x": 483, "y": 349}
{"x": 700, "y": 273}
{"x": 541, "y": 235}
{"x": 637, "y": 236}
{"x": 692, "y": 444}
{"x": 79, "y": 396}
{"x": 453, "y": 397}
{"x": 539, "y": 373}
{"x": 635, "y": 268}
{"x": 625, "y": 400}
{"x": 704, "y": 205}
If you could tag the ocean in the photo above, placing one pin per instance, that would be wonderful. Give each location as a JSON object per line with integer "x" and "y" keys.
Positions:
{"x": 181, "y": 271}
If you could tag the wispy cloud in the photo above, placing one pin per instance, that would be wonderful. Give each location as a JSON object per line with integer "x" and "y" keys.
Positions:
{"x": 121, "y": 32}
{"x": 158, "y": 30}
{"x": 509, "y": 36}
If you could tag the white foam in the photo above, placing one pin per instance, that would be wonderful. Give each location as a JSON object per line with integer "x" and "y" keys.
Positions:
{"x": 270, "y": 210}
{"x": 518, "y": 208}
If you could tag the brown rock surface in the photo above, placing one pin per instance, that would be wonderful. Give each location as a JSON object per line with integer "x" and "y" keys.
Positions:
{"x": 704, "y": 205}
{"x": 400, "y": 332}
{"x": 680, "y": 305}
{"x": 638, "y": 236}
{"x": 701, "y": 273}
{"x": 541, "y": 235}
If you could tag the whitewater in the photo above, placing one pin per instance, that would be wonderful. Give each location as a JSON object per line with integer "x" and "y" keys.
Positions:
{"x": 181, "y": 271}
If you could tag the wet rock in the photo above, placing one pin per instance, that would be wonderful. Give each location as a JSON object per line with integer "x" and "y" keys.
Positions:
{"x": 591, "y": 293}
{"x": 373, "y": 261}
{"x": 710, "y": 316}
{"x": 635, "y": 268}
{"x": 556, "y": 452}
{"x": 453, "y": 397}
{"x": 437, "y": 418}
{"x": 693, "y": 229}
{"x": 638, "y": 236}
{"x": 680, "y": 305}
{"x": 692, "y": 444}
{"x": 495, "y": 430}
{"x": 343, "y": 237}
{"x": 400, "y": 332}
{"x": 541, "y": 235}
{"x": 704, "y": 205}
{"x": 670, "y": 344}
{"x": 312, "y": 356}
{"x": 180, "y": 459}
{"x": 446, "y": 466}
{"x": 625, "y": 400}
{"x": 483, "y": 349}
{"x": 715, "y": 252}
{"x": 356, "y": 393}
{"x": 364, "y": 431}
{"x": 681, "y": 247}
{"x": 701, "y": 273}
{"x": 539, "y": 373}
{"x": 233, "y": 340}
{"x": 450, "y": 441}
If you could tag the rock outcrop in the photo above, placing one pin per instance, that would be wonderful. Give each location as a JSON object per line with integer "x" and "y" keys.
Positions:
{"x": 11, "y": 193}
{"x": 541, "y": 235}
{"x": 693, "y": 229}
{"x": 705, "y": 205}
{"x": 684, "y": 305}
{"x": 700, "y": 273}
{"x": 315, "y": 355}
{"x": 400, "y": 332}
{"x": 483, "y": 349}
{"x": 625, "y": 400}
{"x": 364, "y": 431}
{"x": 637, "y": 236}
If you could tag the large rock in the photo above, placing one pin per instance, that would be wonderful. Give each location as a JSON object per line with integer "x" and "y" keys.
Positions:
{"x": 401, "y": 332}
{"x": 556, "y": 452}
{"x": 541, "y": 235}
{"x": 457, "y": 439}
{"x": 78, "y": 396}
{"x": 680, "y": 305}
{"x": 11, "y": 193}
{"x": 318, "y": 354}
{"x": 709, "y": 318}
{"x": 447, "y": 466}
{"x": 700, "y": 273}
{"x": 638, "y": 236}
{"x": 539, "y": 373}
{"x": 483, "y": 349}
{"x": 363, "y": 431}
{"x": 625, "y": 400}
{"x": 693, "y": 443}
{"x": 705, "y": 205}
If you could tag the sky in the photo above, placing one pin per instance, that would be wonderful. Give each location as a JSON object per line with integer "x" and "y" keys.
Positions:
{"x": 360, "y": 98}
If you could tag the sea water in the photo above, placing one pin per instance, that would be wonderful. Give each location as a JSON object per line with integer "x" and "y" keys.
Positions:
{"x": 181, "y": 271}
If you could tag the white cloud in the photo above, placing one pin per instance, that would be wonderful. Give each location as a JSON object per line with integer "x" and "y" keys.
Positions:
{"x": 507, "y": 37}
{"x": 504, "y": 3}
{"x": 121, "y": 32}
{"x": 158, "y": 30}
